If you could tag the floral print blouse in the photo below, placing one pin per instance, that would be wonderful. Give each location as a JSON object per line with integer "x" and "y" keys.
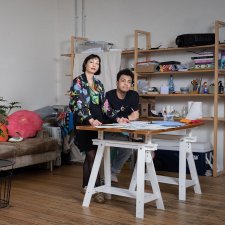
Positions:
{"x": 80, "y": 99}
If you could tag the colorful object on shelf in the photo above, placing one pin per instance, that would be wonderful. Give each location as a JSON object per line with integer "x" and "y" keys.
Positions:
{"x": 205, "y": 88}
{"x": 222, "y": 61}
{"x": 196, "y": 85}
{"x": 168, "y": 66}
{"x": 204, "y": 60}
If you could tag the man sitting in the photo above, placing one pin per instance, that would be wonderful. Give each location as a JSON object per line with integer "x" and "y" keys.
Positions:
{"x": 125, "y": 102}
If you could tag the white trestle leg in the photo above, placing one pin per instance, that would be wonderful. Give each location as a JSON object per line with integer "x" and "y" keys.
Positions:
{"x": 144, "y": 157}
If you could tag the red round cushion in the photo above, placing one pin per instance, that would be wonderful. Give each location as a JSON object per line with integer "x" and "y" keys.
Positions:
{"x": 24, "y": 123}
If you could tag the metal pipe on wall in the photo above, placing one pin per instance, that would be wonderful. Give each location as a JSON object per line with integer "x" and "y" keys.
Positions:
{"x": 83, "y": 18}
{"x": 76, "y": 19}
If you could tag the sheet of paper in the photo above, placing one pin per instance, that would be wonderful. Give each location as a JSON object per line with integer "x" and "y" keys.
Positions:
{"x": 112, "y": 125}
{"x": 143, "y": 125}
{"x": 169, "y": 123}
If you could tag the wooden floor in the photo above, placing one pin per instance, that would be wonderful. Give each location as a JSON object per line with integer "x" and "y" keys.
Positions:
{"x": 41, "y": 197}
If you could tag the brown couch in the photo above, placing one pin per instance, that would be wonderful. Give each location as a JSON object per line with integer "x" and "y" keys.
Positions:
{"x": 30, "y": 151}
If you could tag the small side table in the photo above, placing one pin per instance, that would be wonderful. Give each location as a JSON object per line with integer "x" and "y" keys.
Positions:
{"x": 6, "y": 171}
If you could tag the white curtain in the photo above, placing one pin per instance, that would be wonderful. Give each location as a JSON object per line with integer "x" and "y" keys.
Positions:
{"x": 110, "y": 66}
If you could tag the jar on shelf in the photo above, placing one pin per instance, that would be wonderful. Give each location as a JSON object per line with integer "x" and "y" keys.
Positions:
{"x": 184, "y": 111}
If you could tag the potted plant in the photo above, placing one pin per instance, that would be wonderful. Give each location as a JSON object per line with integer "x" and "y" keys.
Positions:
{"x": 5, "y": 109}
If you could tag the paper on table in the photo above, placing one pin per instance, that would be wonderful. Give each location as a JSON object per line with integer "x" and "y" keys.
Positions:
{"x": 169, "y": 123}
{"x": 143, "y": 125}
{"x": 112, "y": 125}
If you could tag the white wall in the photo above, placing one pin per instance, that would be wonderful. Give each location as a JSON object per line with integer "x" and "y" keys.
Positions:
{"x": 115, "y": 21}
{"x": 29, "y": 49}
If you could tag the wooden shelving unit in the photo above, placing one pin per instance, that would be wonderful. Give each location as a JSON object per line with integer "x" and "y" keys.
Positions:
{"x": 215, "y": 73}
{"x": 73, "y": 41}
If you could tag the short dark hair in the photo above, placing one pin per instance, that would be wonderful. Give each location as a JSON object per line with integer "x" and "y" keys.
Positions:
{"x": 92, "y": 56}
{"x": 126, "y": 72}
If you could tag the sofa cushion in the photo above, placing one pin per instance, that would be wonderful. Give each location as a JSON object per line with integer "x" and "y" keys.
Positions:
{"x": 7, "y": 150}
{"x": 36, "y": 145}
{"x": 28, "y": 147}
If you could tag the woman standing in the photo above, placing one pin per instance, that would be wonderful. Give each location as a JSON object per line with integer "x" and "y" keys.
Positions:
{"x": 87, "y": 102}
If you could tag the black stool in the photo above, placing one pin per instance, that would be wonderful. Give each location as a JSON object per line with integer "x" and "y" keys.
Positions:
{"x": 6, "y": 171}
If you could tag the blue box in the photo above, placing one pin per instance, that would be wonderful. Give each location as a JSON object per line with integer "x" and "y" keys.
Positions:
{"x": 167, "y": 157}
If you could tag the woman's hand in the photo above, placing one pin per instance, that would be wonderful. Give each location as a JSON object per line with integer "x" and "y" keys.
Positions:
{"x": 122, "y": 120}
{"x": 95, "y": 122}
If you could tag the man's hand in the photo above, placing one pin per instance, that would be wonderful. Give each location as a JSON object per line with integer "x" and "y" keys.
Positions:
{"x": 134, "y": 115}
{"x": 122, "y": 120}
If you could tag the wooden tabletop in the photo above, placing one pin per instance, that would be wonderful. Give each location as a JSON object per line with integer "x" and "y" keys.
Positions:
{"x": 144, "y": 132}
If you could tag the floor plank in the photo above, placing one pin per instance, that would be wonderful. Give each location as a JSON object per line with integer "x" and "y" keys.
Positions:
{"x": 41, "y": 197}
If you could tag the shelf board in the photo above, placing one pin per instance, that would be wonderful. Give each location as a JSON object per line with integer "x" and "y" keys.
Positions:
{"x": 178, "y": 119}
{"x": 178, "y": 72}
{"x": 179, "y": 95}
{"x": 200, "y": 71}
{"x": 222, "y": 71}
{"x": 221, "y": 46}
{"x": 212, "y": 118}
{"x": 177, "y": 49}
{"x": 127, "y": 52}
{"x": 67, "y": 54}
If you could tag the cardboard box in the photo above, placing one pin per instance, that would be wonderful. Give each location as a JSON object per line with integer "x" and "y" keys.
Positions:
{"x": 146, "y": 67}
{"x": 145, "y": 107}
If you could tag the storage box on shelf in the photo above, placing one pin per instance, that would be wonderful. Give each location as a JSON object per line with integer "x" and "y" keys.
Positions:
{"x": 146, "y": 67}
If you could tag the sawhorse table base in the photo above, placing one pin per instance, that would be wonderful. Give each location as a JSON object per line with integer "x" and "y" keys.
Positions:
{"x": 185, "y": 153}
{"x": 143, "y": 157}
